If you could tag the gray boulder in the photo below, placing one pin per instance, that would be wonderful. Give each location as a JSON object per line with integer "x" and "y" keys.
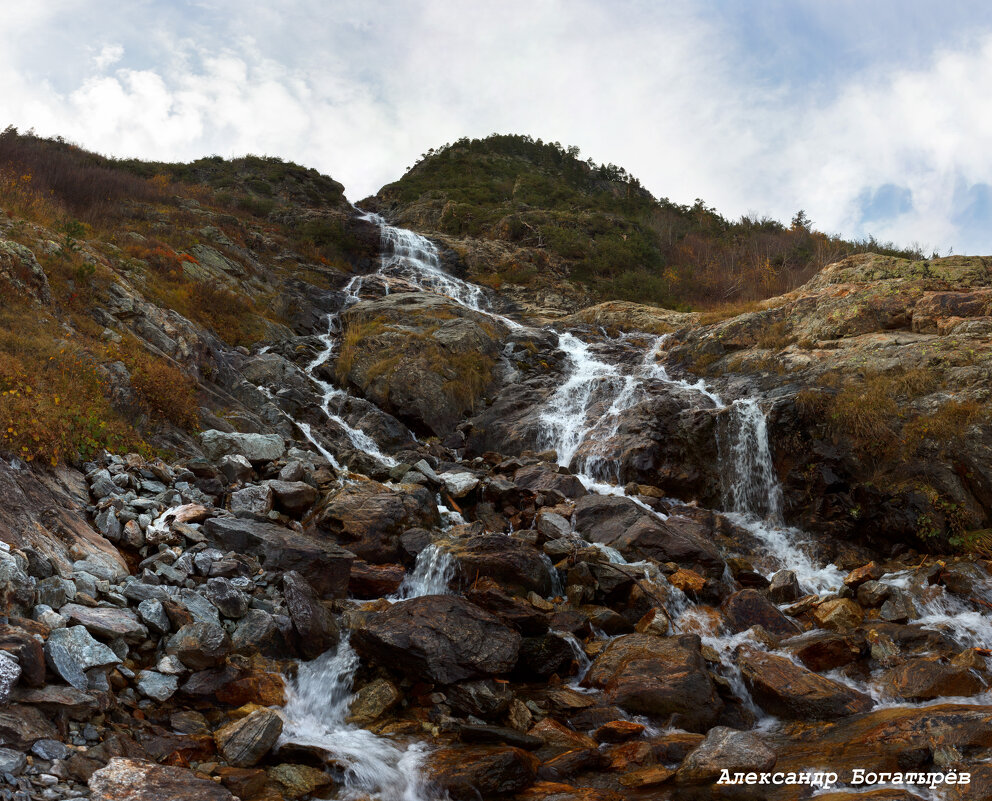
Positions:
{"x": 254, "y": 447}
{"x": 71, "y": 652}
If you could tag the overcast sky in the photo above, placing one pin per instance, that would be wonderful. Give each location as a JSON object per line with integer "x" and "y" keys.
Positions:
{"x": 872, "y": 115}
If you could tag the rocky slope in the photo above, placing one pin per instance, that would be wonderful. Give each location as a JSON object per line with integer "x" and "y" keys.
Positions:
{"x": 370, "y": 531}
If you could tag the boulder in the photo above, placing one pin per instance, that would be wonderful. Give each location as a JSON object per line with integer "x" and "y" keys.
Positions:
{"x": 783, "y": 688}
{"x": 824, "y": 650}
{"x": 784, "y": 587}
{"x": 228, "y": 599}
{"x": 71, "y": 652}
{"x": 28, "y": 652}
{"x": 663, "y": 677}
{"x": 323, "y": 563}
{"x": 106, "y": 622}
{"x": 748, "y": 608}
{"x": 549, "y": 478}
{"x": 372, "y": 701}
{"x": 507, "y": 560}
{"x": 839, "y": 614}
{"x": 604, "y": 518}
{"x": 254, "y": 501}
{"x": 157, "y": 686}
{"x": 137, "y": 780}
{"x": 438, "y": 638}
{"x": 200, "y": 645}
{"x": 926, "y": 679}
{"x": 313, "y": 622}
{"x": 254, "y": 447}
{"x": 368, "y": 518}
{"x": 293, "y": 497}
{"x": 725, "y": 749}
{"x": 474, "y": 772}
{"x": 244, "y": 742}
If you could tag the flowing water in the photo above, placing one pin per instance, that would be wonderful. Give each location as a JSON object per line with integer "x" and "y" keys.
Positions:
{"x": 431, "y": 574}
{"x": 316, "y": 717}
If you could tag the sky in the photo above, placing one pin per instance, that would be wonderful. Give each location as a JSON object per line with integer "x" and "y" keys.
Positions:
{"x": 871, "y": 115}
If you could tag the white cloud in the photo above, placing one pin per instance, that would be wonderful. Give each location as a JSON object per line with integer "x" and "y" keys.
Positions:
{"x": 360, "y": 90}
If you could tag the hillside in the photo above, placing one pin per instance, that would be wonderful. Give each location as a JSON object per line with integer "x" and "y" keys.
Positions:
{"x": 298, "y": 503}
{"x": 561, "y": 218}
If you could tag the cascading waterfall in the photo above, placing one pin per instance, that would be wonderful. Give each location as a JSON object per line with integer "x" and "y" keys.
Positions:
{"x": 432, "y": 573}
{"x": 316, "y": 714}
{"x": 750, "y": 485}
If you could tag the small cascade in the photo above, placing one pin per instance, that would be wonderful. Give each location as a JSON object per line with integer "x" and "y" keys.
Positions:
{"x": 557, "y": 585}
{"x": 432, "y": 573}
{"x": 581, "y": 657}
{"x": 750, "y": 485}
{"x": 315, "y": 716}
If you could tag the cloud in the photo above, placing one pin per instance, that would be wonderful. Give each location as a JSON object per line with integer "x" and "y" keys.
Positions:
{"x": 771, "y": 111}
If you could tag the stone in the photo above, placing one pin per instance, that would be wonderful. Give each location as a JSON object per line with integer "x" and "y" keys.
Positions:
{"x": 152, "y": 612}
{"x": 556, "y": 735}
{"x": 374, "y": 581}
{"x": 12, "y": 762}
{"x": 546, "y": 655}
{"x": 156, "y": 685}
{"x": 324, "y": 564}
{"x": 368, "y": 518}
{"x": 236, "y": 468}
{"x": 872, "y": 594}
{"x": 254, "y": 447}
{"x": 22, "y": 725}
{"x": 298, "y": 780}
{"x": 858, "y": 576}
{"x": 553, "y": 526}
{"x": 618, "y": 731}
{"x": 373, "y": 701}
{"x": 137, "y": 780}
{"x": 50, "y": 750}
{"x": 254, "y": 501}
{"x": 821, "y": 651}
{"x": 10, "y": 672}
{"x": 839, "y": 614}
{"x": 483, "y": 698}
{"x": 663, "y": 677}
{"x": 294, "y": 498}
{"x": 200, "y": 645}
{"x": 313, "y": 622}
{"x": 927, "y": 679}
{"x": 496, "y": 735}
{"x": 229, "y": 600}
{"x": 438, "y": 638}
{"x": 725, "y": 749}
{"x": 72, "y": 651}
{"x": 458, "y": 485}
{"x": 747, "y": 608}
{"x": 106, "y": 622}
{"x": 56, "y": 591}
{"x": 898, "y": 607}
{"x": 244, "y": 742}
{"x": 783, "y": 688}
{"x": 784, "y": 587}
{"x": 508, "y": 561}
{"x": 257, "y": 632}
{"x": 473, "y": 772}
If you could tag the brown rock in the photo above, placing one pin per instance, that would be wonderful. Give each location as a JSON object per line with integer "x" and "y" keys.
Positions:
{"x": 313, "y": 622}
{"x": 244, "y": 742}
{"x": 659, "y": 677}
{"x": 374, "y": 581}
{"x": 557, "y": 735}
{"x": 511, "y": 562}
{"x": 783, "y": 688}
{"x": 245, "y": 783}
{"x": 293, "y": 497}
{"x": 618, "y": 731}
{"x": 438, "y": 638}
{"x": 727, "y": 749}
{"x": 687, "y": 580}
{"x": 373, "y": 701}
{"x": 28, "y": 651}
{"x": 926, "y": 679}
{"x": 260, "y": 687}
{"x": 482, "y": 771}
{"x": 137, "y": 780}
{"x": 298, "y": 780}
{"x": 647, "y": 777}
{"x": 748, "y": 608}
{"x": 858, "y": 576}
{"x": 824, "y": 650}
{"x": 839, "y": 614}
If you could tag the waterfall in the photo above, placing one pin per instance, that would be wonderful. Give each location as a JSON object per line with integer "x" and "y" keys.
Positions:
{"x": 433, "y": 571}
{"x": 750, "y": 484}
{"x": 315, "y": 716}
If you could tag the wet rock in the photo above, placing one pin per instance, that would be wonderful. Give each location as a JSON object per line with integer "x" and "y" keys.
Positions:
{"x": 324, "y": 564}
{"x": 725, "y": 749}
{"x": 926, "y": 679}
{"x": 546, "y": 655}
{"x": 253, "y": 502}
{"x": 200, "y": 645}
{"x": 520, "y": 614}
{"x": 481, "y": 771}
{"x": 548, "y": 478}
{"x": 660, "y": 677}
{"x": 747, "y": 608}
{"x": 229, "y": 600}
{"x": 106, "y": 622}
{"x": 458, "y": 485}
{"x": 784, "y": 587}
{"x": 313, "y": 622}
{"x": 156, "y": 685}
{"x": 604, "y": 518}
{"x": 899, "y": 607}
{"x": 243, "y": 782}
{"x": 618, "y": 731}
{"x": 483, "y": 698}
{"x": 298, "y": 780}
{"x": 438, "y": 638}
{"x": 258, "y": 632}
{"x": 783, "y": 688}
{"x": 368, "y": 518}
{"x": 254, "y": 447}
{"x": 137, "y": 780}
{"x": 821, "y": 651}
{"x": 293, "y": 497}
{"x": 839, "y": 614}
{"x": 244, "y": 742}
{"x": 556, "y": 735}
{"x": 495, "y": 735}
{"x": 858, "y": 576}
{"x": 872, "y": 594}
{"x": 680, "y": 540}
{"x": 373, "y": 701}
{"x": 71, "y": 652}
{"x": 374, "y": 581}
{"x": 509, "y": 561}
